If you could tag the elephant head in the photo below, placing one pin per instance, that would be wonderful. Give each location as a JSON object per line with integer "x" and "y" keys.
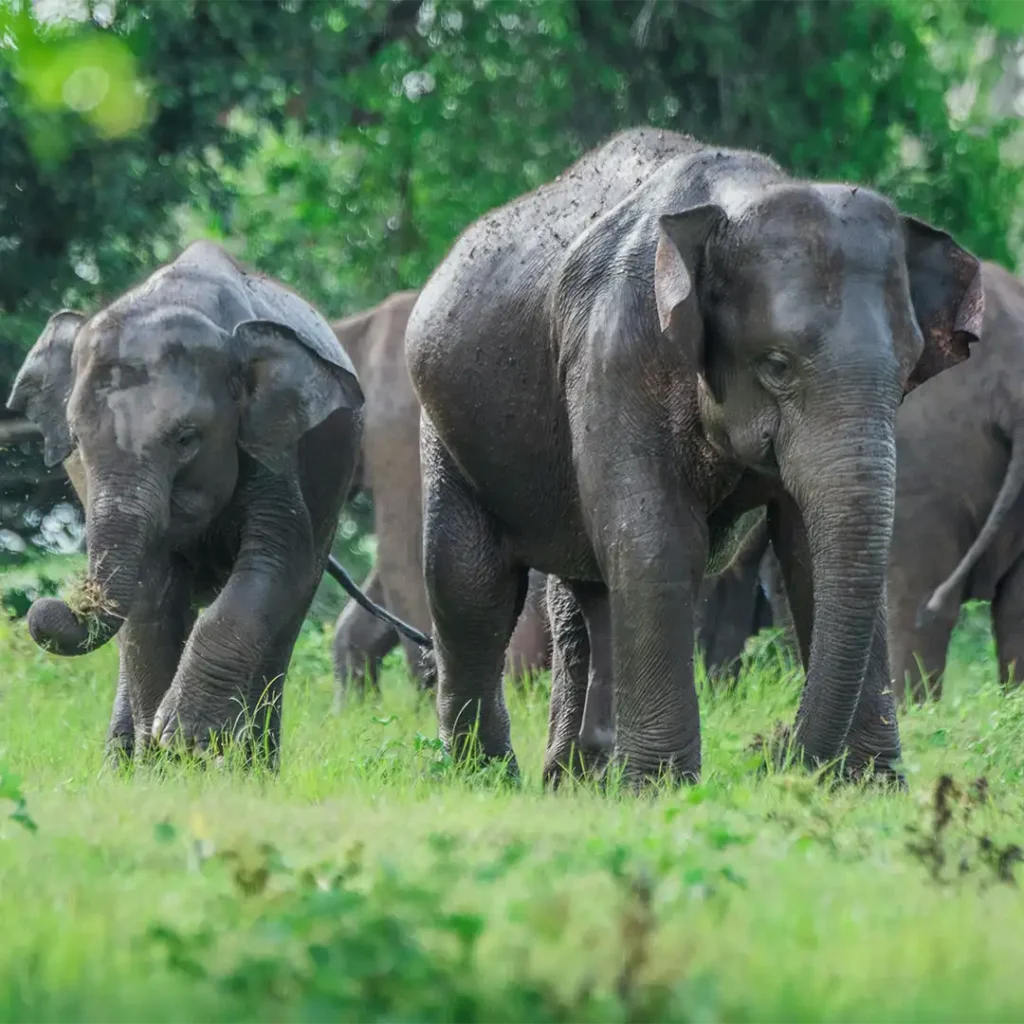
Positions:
{"x": 149, "y": 403}
{"x": 808, "y": 312}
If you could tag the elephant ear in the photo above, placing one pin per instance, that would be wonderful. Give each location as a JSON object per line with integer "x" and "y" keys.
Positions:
{"x": 291, "y": 386}
{"x": 44, "y": 382}
{"x": 677, "y": 261}
{"x": 947, "y": 295}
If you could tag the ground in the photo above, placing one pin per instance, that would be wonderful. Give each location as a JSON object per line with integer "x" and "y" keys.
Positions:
{"x": 371, "y": 882}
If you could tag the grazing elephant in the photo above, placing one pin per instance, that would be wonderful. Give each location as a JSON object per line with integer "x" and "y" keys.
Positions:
{"x": 618, "y": 372}
{"x": 390, "y": 469}
{"x": 959, "y": 526}
{"x": 210, "y": 422}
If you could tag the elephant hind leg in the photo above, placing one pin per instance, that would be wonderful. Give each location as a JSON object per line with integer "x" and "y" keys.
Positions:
{"x": 1008, "y": 625}
{"x": 581, "y": 724}
{"x": 918, "y": 655}
{"x": 475, "y": 596}
{"x": 361, "y": 642}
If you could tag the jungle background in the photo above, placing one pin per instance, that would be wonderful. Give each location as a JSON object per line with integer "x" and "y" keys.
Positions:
{"x": 342, "y": 145}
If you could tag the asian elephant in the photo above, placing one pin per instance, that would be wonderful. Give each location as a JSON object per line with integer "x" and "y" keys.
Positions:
{"x": 210, "y": 422}
{"x": 618, "y": 372}
{"x": 390, "y": 469}
{"x": 959, "y": 526}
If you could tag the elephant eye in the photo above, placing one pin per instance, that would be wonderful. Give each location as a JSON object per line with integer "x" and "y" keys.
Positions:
{"x": 187, "y": 440}
{"x": 776, "y": 367}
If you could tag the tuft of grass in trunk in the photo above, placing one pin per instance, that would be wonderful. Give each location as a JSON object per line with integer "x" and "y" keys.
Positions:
{"x": 88, "y": 602}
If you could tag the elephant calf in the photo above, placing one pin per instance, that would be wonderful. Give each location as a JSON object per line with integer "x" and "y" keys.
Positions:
{"x": 375, "y": 341}
{"x": 210, "y": 422}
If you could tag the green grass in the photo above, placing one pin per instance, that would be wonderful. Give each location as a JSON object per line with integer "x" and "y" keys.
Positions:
{"x": 370, "y": 881}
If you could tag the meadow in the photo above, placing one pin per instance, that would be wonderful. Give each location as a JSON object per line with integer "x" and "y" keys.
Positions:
{"x": 373, "y": 881}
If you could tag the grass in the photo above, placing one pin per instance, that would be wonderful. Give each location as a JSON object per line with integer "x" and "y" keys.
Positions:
{"x": 371, "y": 881}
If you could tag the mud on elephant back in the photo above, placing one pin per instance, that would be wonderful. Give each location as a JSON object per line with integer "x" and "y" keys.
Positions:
{"x": 622, "y": 431}
{"x": 390, "y": 471}
{"x": 210, "y": 422}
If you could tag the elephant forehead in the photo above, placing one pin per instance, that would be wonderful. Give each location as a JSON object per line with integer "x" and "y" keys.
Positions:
{"x": 147, "y": 337}
{"x": 142, "y": 414}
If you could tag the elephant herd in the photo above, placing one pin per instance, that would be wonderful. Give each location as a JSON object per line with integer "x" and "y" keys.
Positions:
{"x": 674, "y": 393}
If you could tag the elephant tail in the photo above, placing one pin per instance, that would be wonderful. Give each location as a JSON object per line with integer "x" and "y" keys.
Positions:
{"x": 337, "y": 570}
{"x": 940, "y": 603}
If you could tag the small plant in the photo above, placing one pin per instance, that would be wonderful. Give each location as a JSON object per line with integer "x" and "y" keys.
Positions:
{"x": 950, "y": 849}
{"x": 10, "y": 789}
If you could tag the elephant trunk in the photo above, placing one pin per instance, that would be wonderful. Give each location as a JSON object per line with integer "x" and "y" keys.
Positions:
{"x": 845, "y": 487}
{"x": 121, "y": 521}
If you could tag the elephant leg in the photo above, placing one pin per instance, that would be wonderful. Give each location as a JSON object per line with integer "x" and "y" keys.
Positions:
{"x": 581, "y": 726}
{"x": 121, "y": 732}
{"x": 270, "y": 587}
{"x": 1008, "y": 625}
{"x": 261, "y": 731}
{"x": 361, "y": 641}
{"x": 917, "y": 654}
{"x": 475, "y": 598}
{"x": 150, "y": 644}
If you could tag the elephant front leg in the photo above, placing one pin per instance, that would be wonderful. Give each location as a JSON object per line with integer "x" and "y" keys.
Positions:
{"x": 654, "y": 568}
{"x": 120, "y": 747}
{"x": 150, "y": 645}
{"x": 240, "y": 632}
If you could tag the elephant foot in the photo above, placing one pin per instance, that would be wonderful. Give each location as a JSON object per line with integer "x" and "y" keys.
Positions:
{"x": 572, "y": 762}
{"x": 186, "y": 728}
{"x": 861, "y": 765}
{"x": 469, "y": 755}
{"x": 120, "y": 750}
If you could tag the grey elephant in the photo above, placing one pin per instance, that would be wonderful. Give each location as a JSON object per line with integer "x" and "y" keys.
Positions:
{"x": 959, "y": 528}
{"x": 210, "y": 422}
{"x": 390, "y": 469}
{"x": 618, "y": 372}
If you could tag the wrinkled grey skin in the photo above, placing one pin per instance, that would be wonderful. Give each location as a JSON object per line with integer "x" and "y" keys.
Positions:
{"x": 210, "y": 423}
{"x": 617, "y": 373}
{"x": 390, "y": 469}
{"x": 959, "y": 527}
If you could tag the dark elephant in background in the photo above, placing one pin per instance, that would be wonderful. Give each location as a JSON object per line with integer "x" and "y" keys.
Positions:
{"x": 618, "y": 372}
{"x": 738, "y": 603}
{"x": 390, "y": 469}
{"x": 210, "y": 423}
{"x": 959, "y": 526}
{"x": 733, "y": 606}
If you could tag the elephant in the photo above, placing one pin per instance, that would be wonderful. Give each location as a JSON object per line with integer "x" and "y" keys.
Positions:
{"x": 958, "y": 533}
{"x": 622, "y": 373}
{"x": 390, "y": 469}
{"x": 210, "y": 423}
